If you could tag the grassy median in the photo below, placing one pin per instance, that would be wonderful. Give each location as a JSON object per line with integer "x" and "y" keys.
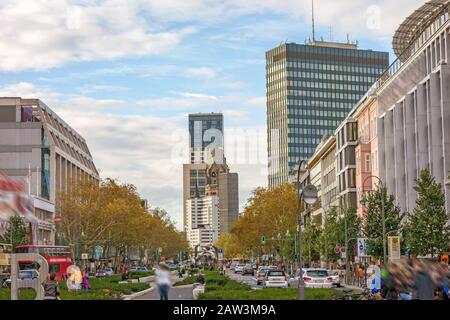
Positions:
{"x": 223, "y": 288}
{"x": 107, "y": 288}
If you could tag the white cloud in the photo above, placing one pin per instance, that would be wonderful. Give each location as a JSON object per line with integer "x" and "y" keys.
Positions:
{"x": 42, "y": 34}
{"x": 202, "y": 72}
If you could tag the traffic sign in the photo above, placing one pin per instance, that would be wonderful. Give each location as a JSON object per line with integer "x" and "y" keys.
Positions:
{"x": 58, "y": 219}
{"x": 362, "y": 247}
{"x": 84, "y": 256}
{"x": 339, "y": 250}
{"x": 220, "y": 250}
{"x": 220, "y": 256}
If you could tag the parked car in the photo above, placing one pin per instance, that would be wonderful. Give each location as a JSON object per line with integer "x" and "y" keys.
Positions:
{"x": 134, "y": 268}
{"x": 239, "y": 268}
{"x": 248, "y": 269}
{"x": 261, "y": 274}
{"x": 174, "y": 266}
{"x": 29, "y": 274}
{"x": 335, "y": 276}
{"x": 143, "y": 269}
{"x": 317, "y": 278}
{"x": 101, "y": 273}
{"x": 276, "y": 279}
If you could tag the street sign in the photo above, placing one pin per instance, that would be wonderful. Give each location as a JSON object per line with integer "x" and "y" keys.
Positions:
{"x": 343, "y": 254}
{"x": 394, "y": 248}
{"x": 84, "y": 256}
{"x": 220, "y": 250}
{"x": 220, "y": 256}
{"x": 339, "y": 250}
{"x": 58, "y": 219}
{"x": 362, "y": 247}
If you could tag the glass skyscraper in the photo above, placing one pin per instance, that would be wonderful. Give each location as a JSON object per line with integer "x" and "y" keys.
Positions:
{"x": 205, "y": 130}
{"x": 310, "y": 90}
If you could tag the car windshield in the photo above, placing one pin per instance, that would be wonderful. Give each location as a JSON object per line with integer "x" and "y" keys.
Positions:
{"x": 275, "y": 273}
{"x": 317, "y": 273}
{"x": 332, "y": 272}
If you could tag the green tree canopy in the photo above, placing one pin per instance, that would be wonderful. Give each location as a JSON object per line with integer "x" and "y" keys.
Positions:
{"x": 373, "y": 221}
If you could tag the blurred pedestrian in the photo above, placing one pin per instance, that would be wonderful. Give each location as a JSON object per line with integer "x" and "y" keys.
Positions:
{"x": 85, "y": 285}
{"x": 389, "y": 288}
{"x": 163, "y": 281}
{"x": 360, "y": 276}
{"x": 423, "y": 284}
{"x": 51, "y": 288}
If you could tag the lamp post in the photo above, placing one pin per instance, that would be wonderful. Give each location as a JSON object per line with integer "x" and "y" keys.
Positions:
{"x": 309, "y": 195}
{"x": 383, "y": 218}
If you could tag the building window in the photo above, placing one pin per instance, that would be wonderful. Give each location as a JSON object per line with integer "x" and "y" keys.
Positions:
{"x": 367, "y": 162}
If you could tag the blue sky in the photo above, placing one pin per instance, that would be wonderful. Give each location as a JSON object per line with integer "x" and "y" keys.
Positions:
{"x": 125, "y": 74}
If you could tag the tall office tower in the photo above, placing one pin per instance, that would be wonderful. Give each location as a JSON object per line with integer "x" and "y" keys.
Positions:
{"x": 206, "y": 137}
{"x": 310, "y": 89}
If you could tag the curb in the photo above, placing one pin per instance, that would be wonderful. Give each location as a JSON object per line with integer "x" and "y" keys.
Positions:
{"x": 138, "y": 294}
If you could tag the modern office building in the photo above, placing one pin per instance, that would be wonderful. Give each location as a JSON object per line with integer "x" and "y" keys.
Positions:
{"x": 208, "y": 175}
{"x": 36, "y": 145}
{"x": 414, "y": 104}
{"x": 310, "y": 90}
{"x": 206, "y": 143}
{"x": 203, "y": 223}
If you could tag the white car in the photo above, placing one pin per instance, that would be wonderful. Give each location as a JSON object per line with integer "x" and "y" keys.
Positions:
{"x": 317, "y": 278}
{"x": 239, "y": 268}
{"x": 275, "y": 279}
{"x": 336, "y": 279}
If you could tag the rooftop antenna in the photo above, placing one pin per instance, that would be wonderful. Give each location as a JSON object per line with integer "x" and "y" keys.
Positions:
{"x": 312, "y": 15}
{"x": 348, "y": 38}
{"x": 330, "y": 31}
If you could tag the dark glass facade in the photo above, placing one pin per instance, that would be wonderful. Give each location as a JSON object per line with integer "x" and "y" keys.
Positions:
{"x": 310, "y": 90}
{"x": 204, "y": 129}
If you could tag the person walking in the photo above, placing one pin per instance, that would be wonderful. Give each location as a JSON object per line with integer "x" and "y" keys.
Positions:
{"x": 423, "y": 284}
{"x": 85, "y": 285}
{"x": 51, "y": 288}
{"x": 163, "y": 281}
{"x": 360, "y": 276}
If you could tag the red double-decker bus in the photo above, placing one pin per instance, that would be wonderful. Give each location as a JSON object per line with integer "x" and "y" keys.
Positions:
{"x": 59, "y": 258}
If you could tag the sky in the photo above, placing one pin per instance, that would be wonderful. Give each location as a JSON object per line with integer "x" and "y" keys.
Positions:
{"x": 125, "y": 74}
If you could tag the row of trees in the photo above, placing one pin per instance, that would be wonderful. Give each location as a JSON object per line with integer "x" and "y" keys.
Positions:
{"x": 110, "y": 215}
{"x": 272, "y": 214}
{"x": 107, "y": 215}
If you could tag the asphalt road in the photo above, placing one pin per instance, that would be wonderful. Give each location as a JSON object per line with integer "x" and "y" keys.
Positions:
{"x": 247, "y": 279}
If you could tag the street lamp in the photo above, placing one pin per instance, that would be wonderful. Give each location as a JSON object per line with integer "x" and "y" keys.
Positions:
{"x": 309, "y": 195}
{"x": 364, "y": 201}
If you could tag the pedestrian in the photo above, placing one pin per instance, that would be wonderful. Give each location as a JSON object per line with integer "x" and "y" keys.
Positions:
{"x": 85, "y": 285}
{"x": 51, "y": 288}
{"x": 163, "y": 281}
{"x": 423, "y": 285}
{"x": 360, "y": 276}
{"x": 201, "y": 279}
{"x": 389, "y": 285}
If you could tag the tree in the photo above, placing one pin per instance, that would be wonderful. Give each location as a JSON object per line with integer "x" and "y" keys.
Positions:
{"x": 426, "y": 230}
{"x": 373, "y": 222}
{"x": 17, "y": 233}
{"x": 311, "y": 235}
{"x": 333, "y": 235}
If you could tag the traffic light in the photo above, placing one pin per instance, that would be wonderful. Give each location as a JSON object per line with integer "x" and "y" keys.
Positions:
{"x": 263, "y": 240}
